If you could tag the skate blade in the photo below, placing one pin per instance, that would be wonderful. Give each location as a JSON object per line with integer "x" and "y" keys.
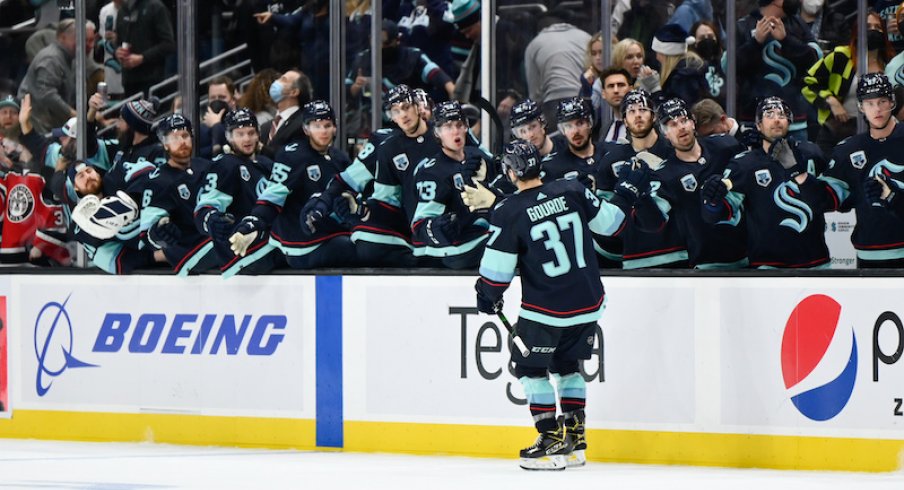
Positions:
{"x": 576, "y": 459}
{"x": 548, "y": 463}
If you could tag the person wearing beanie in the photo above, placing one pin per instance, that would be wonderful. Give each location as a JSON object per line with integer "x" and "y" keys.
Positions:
{"x": 135, "y": 140}
{"x": 12, "y": 153}
{"x": 682, "y": 72}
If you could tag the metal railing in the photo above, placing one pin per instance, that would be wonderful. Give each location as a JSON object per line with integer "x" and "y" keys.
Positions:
{"x": 173, "y": 80}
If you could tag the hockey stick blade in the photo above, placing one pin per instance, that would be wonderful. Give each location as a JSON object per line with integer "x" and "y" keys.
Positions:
{"x": 515, "y": 338}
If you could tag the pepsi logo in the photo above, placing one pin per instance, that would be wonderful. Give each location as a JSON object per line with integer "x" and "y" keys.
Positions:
{"x": 808, "y": 338}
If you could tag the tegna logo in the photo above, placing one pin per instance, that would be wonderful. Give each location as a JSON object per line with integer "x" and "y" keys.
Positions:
{"x": 808, "y": 335}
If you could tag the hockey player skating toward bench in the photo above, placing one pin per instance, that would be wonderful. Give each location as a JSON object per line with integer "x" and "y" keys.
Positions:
{"x": 544, "y": 231}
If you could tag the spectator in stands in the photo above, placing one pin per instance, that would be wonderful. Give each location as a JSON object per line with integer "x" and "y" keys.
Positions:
{"x": 220, "y": 99}
{"x": 311, "y": 26}
{"x": 616, "y": 83}
{"x": 145, "y": 36}
{"x": 291, "y": 91}
{"x": 112, "y": 68}
{"x": 775, "y": 49}
{"x": 12, "y": 154}
{"x": 628, "y": 54}
{"x": 831, "y": 82}
{"x": 51, "y": 82}
{"x": 708, "y": 47}
{"x": 644, "y": 18}
{"x": 888, "y": 10}
{"x": 256, "y": 96}
{"x": 466, "y": 49}
{"x": 593, "y": 64}
{"x": 690, "y": 12}
{"x": 553, "y": 62}
{"x": 894, "y": 70}
{"x": 681, "y": 72}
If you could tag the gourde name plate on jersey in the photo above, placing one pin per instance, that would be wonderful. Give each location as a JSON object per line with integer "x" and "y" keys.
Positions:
{"x": 548, "y": 208}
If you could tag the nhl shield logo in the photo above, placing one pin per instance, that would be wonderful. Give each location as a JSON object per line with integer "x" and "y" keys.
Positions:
{"x": 858, "y": 159}
{"x": 244, "y": 173}
{"x": 184, "y": 193}
{"x": 458, "y": 181}
{"x": 689, "y": 182}
{"x": 314, "y": 172}
{"x": 401, "y": 162}
{"x": 763, "y": 177}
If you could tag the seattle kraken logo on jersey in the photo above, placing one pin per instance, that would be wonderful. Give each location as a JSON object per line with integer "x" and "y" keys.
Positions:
{"x": 401, "y": 162}
{"x": 689, "y": 182}
{"x": 785, "y": 200}
{"x": 244, "y": 173}
{"x": 314, "y": 172}
{"x": 763, "y": 177}
{"x": 184, "y": 193}
{"x": 858, "y": 159}
{"x": 888, "y": 169}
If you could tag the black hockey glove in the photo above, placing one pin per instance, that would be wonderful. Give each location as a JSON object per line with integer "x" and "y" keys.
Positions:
{"x": 218, "y": 225}
{"x": 349, "y": 209}
{"x": 164, "y": 234}
{"x": 634, "y": 184}
{"x": 443, "y": 230}
{"x": 313, "y": 213}
{"x": 486, "y": 304}
{"x": 474, "y": 167}
{"x": 879, "y": 191}
{"x": 713, "y": 191}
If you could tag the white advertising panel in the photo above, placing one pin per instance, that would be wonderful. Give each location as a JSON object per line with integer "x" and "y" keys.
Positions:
{"x": 839, "y": 227}
{"x": 800, "y": 355}
{"x": 166, "y": 344}
{"x": 419, "y": 351}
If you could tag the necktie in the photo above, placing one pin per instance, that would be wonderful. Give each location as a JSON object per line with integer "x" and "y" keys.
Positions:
{"x": 276, "y": 121}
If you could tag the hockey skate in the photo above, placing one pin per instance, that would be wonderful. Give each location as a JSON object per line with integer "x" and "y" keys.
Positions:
{"x": 549, "y": 452}
{"x": 574, "y": 428}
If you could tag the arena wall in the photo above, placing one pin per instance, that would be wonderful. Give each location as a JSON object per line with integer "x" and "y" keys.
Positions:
{"x": 774, "y": 372}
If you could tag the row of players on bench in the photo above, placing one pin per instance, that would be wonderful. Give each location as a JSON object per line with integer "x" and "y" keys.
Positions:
{"x": 421, "y": 194}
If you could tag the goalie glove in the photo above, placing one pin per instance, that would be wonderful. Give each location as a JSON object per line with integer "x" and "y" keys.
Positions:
{"x": 103, "y": 218}
{"x": 478, "y": 197}
{"x": 248, "y": 230}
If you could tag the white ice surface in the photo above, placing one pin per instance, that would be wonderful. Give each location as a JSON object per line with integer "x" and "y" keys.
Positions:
{"x": 115, "y": 466}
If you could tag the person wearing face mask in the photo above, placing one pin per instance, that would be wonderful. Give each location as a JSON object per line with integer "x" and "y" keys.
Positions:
{"x": 888, "y": 10}
{"x": 289, "y": 92}
{"x": 708, "y": 46}
{"x": 831, "y": 82}
{"x": 775, "y": 49}
{"x": 811, "y": 14}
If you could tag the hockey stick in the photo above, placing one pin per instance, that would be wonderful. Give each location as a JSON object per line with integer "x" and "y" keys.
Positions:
{"x": 515, "y": 338}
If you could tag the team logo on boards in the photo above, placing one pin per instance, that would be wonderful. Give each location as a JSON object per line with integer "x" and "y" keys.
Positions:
{"x": 809, "y": 333}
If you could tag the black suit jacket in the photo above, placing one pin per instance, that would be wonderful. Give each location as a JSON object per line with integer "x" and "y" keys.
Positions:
{"x": 291, "y": 130}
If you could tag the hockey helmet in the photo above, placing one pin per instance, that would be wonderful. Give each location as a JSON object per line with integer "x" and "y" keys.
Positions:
{"x": 773, "y": 103}
{"x": 574, "y": 108}
{"x": 873, "y": 86}
{"x": 316, "y": 111}
{"x": 448, "y": 111}
{"x": 637, "y": 97}
{"x": 524, "y": 112}
{"x": 397, "y": 95}
{"x": 173, "y": 122}
{"x": 423, "y": 98}
{"x": 240, "y": 118}
{"x": 523, "y": 158}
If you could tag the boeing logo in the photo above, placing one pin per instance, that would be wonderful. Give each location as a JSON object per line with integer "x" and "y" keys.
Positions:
{"x": 53, "y": 345}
